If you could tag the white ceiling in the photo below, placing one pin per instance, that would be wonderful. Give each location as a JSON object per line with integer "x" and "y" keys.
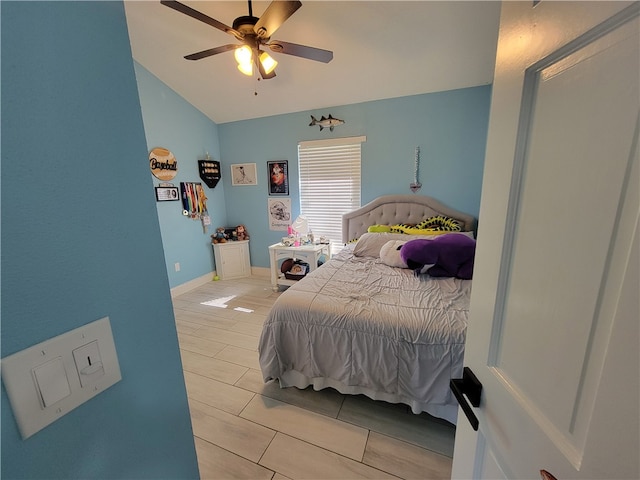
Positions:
{"x": 382, "y": 49}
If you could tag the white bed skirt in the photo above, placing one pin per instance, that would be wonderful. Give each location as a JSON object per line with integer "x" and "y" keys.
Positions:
{"x": 293, "y": 378}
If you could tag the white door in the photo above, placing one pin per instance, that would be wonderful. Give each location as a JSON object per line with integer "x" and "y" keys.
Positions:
{"x": 554, "y": 322}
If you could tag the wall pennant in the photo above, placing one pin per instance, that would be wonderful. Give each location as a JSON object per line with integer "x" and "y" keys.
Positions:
{"x": 209, "y": 171}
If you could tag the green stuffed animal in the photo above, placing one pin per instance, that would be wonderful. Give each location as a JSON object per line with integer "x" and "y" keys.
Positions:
{"x": 430, "y": 226}
{"x": 379, "y": 229}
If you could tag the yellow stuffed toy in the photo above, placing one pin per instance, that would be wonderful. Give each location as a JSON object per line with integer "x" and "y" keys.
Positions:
{"x": 431, "y": 226}
{"x": 406, "y": 229}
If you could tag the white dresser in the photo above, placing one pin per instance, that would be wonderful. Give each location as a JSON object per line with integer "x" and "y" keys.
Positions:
{"x": 232, "y": 259}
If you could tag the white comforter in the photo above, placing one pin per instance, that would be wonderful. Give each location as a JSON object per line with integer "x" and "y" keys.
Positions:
{"x": 360, "y": 326}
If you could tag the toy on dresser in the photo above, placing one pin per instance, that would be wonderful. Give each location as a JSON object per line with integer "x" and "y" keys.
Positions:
{"x": 219, "y": 236}
{"x": 241, "y": 233}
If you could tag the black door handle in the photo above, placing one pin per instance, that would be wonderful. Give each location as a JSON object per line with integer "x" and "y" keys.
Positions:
{"x": 470, "y": 386}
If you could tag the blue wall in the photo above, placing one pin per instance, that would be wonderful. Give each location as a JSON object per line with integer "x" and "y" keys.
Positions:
{"x": 81, "y": 240}
{"x": 172, "y": 123}
{"x": 450, "y": 128}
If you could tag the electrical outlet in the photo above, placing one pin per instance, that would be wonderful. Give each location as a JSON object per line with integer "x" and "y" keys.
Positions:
{"x": 177, "y": 266}
{"x": 89, "y": 363}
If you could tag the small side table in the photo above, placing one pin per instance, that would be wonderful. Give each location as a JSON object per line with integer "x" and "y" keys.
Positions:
{"x": 232, "y": 259}
{"x": 307, "y": 253}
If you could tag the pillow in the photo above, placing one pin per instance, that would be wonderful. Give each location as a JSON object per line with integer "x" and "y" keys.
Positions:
{"x": 369, "y": 244}
{"x": 390, "y": 254}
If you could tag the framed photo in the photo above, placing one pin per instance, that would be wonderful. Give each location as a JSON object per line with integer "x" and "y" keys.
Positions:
{"x": 279, "y": 213}
{"x": 278, "y": 177}
{"x": 165, "y": 194}
{"x": 244, "y": 174}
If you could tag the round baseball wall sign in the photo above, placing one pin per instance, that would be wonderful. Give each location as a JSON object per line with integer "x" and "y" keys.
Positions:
{"x": 163, "y": 164}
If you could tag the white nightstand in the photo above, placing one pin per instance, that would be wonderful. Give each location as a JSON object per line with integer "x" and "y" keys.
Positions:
{"x": 308, "y": 253}
{"x": 232, "y": 259}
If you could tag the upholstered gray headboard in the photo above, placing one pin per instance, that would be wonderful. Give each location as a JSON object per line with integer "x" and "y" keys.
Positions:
{"x": 396, "y": 209}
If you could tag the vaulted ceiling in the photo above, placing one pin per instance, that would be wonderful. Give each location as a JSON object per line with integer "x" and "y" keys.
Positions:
{"x": 382, "y": 49}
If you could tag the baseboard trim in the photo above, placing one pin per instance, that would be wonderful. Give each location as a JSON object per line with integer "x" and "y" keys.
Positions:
{"x": 261, "y": 271}
{"x": 197, "y": 282}
{"x": 191, "y": 284}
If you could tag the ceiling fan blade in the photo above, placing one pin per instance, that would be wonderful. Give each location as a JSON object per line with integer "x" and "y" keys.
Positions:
{"x": 317, "y": 54}
{"x": 211, "y": 51}
{"x": 275, "y": 15}
{"x": 182, "y": 8}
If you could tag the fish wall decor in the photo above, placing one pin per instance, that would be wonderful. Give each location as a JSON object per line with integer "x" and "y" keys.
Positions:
{"x": 326, "y": 122}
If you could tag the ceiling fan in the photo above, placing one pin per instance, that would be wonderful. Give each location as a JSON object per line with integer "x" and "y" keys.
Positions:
{"x": 254, "y": 33}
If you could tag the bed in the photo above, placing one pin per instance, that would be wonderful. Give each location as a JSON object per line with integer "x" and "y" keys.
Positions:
{"x": 361, "y": 326}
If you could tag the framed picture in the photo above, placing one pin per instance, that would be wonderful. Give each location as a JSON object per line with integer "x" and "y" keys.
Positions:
{"x": 165, "y": 194}
{"x": 278, "y": 177}
{"x": 244, "y": 174}
{"x": 279, "y": 213}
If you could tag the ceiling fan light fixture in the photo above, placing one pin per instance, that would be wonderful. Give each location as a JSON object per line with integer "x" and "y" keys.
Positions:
{"x": 268, "y": 63}
{"x": 243, "y": 55}
{"x": 254, "y": 33}
{"x": 246, "y": 68}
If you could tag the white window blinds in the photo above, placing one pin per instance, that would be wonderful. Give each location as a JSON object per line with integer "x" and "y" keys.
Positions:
{"x": 329, "y": 183}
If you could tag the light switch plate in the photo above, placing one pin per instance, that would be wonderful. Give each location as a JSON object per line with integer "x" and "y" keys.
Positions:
{"x": 21, "y": 381}
{"x": 52, "y": 382}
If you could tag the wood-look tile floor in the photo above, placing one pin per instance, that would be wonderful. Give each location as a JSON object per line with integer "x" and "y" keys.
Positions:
{"x": 244, "y": 428}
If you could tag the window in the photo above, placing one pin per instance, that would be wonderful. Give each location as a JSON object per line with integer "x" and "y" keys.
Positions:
{"x": 329, "y": 184}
